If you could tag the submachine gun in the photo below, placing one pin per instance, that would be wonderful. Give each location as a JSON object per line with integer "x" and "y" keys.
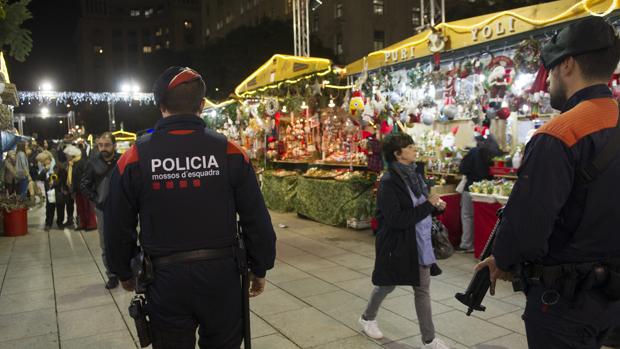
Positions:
{"x": 142, "y": 269}
{"x": 242, "y": 263}
{"x": 481, "y": 281}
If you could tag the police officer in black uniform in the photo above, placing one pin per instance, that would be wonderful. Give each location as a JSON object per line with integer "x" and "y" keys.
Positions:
{"x": 561, "y": 226}
{"x": 186, "y": 184}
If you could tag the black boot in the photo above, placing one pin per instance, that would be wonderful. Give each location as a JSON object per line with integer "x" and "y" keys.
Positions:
{"x": 435, "y": 270}
{"x": 112, "y": 283}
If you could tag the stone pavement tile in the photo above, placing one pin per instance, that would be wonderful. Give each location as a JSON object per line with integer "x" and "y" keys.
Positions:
{"x": 72, "y": 260}
{"x": 6, "y": 241}
{"x": 467, "y": 329}
{"x": 307, "y": 262}
{"x": 26, "y": 301}
{"x": 315, "y": 247}
{"x": 38, "y": 256}
{"x": 78, "y": 281}
{"x": 19, "y": 285}
{"x": 347, "y": 309}
{"x": 404, "y": 306}
{"x": 82, "y": 297}
{"x": 283, "y": 272}
{"x": 30, "y": 324}
{"x": 450, "y": 272}
{"x": 89, "y": 322}
{"x": 459, "y": 259}
{"x": 18, "y": 250}
{"x": 363, "y": 287}
{"x": 260, "y": 327}
{"x": 3, "y": 268}
{"x": 441, "y": 290}
{"x": 357, "y": 342}
{"x": 48, "y": 341}
{"x": 274, "y": 341}
{"x": 494, "y": 307}
{"x": 15, "y": 270}
{"x": 517, "y": 299}
{"x": 285, "y": 250}
{"x": 512, "y": 341}
{"x": 64, "y": 270}
{"x": 511, "y": 321}
{"x": 416, "y": 342}
{"x": 367, "y": 271}
{"x": 274, "y": 301}
{"x": 81, "y": 252}
{"x": 307, "y": 287}
{"x": 353, "y": 261}
{"x": 308, "y": 327}
{"x": 359, "y": 247}
{"x": 111, "y": 340}
{"x": 337, "y": 274}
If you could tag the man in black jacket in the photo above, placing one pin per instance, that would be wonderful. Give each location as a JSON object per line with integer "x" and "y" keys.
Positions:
{"x": 95, "y": 185}
{"x": 187, "y": 184}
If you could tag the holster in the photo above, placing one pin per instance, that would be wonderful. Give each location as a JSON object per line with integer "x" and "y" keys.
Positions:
{"x": 142, "y": 269}
{"x": 143, "y": 326}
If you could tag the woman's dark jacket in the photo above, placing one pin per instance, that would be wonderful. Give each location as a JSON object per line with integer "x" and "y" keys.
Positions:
{"x": 396, "y": 247}
{"x": 79, "y": 171}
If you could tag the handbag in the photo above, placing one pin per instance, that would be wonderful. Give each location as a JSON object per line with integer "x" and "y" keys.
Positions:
{"x": 51, "y": 196}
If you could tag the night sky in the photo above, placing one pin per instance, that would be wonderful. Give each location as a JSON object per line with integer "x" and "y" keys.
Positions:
{"x": 54, "y": 58}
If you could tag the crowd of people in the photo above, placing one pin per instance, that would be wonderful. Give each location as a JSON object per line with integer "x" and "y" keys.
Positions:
{"x": 69, "y": 176}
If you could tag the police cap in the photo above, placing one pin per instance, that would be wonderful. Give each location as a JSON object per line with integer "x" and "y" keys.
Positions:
{"x": 171, "y": 78}
{"x": 587, "y": 35}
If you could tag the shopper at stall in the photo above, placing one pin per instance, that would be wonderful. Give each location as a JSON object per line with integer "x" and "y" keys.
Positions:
{"x": 68, "y": 153}
{"x": 85, "y": 210}
{"x": 95, "y": 186}
{"x": 22, "y": 170}
{"x": 404, "y": 251}
{"x": 475, "y": 166}
{"x": 187, "y": 184}
{"x": 562, "y": 218}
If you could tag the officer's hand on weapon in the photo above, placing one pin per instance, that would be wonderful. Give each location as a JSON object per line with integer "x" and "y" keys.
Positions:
{"x": 129, "y": 285}
{"x": 495, "y": 272}
{"x": 257, "y": 286}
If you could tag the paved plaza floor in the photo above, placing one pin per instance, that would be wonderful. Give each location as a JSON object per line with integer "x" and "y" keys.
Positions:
{"x": 52, "y": 295}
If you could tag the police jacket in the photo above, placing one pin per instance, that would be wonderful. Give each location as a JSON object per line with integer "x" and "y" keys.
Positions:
{"x": 92, "y": 183}
{"x": 186, "y": 184}
{"x": 551, "y": 218}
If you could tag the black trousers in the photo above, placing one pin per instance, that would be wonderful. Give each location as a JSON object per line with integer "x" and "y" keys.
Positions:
{"x": 69, "y": 206}
{"x": 568, "y": 325}
{"x": 50, "y": 210}
{"x": 204, "y": 295}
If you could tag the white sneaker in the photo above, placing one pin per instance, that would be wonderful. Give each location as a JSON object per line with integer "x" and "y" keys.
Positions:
{"x": 371, "y": 328}
{"x": 435, "y": 344}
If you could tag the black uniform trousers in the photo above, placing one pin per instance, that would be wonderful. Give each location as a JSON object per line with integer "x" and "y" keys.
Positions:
{"x": 203, "y": 294}
{"x": 569, "y": 325}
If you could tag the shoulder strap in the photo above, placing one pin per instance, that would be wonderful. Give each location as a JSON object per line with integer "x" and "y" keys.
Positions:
{"x": 602, "y": 161}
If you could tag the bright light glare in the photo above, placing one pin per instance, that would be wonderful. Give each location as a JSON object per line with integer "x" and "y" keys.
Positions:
{"x": 46, "y": 86}
{"x": 525, "y": 108}
{"x": 125, "y": 87}
{"x": 45, "y": 112}
{"x": 135, "y": 88}
{"x": 60, "y": 122}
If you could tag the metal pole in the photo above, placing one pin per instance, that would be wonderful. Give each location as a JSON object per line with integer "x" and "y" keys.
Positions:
{"x": 111, "y": 116}
{"x": 432, "y": 13}
{"x": 307, "y": 34}
{"x": 295, "y": 27}
{"x": 20, "y": 124}
{"x": 443, "y": 11}
{"x": 422, "y": 13}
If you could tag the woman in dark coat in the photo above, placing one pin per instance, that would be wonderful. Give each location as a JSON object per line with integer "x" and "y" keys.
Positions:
{"x": 404, "y": 251}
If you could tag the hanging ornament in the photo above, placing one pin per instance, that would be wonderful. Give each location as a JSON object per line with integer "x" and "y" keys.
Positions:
{"x": 331, "y": 104}
{"x": 428, "y": 117}
{"x": 357, "y": 103}
{"x": 284, "y": 109}
{"x": 450, "y": 111}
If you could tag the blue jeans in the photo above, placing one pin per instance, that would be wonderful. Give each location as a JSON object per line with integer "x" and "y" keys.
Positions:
{"x": 22, "y": 187}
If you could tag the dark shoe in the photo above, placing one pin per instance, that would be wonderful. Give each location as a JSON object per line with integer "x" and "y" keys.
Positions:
{"x": 112, "y": 283}
{"x": 435, "y": 270}
{"x": 61, "y": 226}
{"x": 47, "y": 228}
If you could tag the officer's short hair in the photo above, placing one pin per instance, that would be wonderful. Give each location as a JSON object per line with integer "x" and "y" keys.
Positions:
{"x": 185, "y": 98}
{"x": 599, "y": 64}
{"x": 395, "y": 142}
{"x": 109, "y": 135}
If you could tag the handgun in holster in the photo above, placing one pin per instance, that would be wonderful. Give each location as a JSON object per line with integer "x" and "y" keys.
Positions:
{"x": 143, "y": 326}
{"x": 142, "y": 269}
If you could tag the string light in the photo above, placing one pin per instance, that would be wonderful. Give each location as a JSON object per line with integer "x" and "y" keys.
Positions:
{"x": 63, "y": 98}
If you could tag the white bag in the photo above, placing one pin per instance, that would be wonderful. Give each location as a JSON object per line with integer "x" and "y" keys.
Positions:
{"x": 51, "y": 196}
{"x": 461, "y": 187}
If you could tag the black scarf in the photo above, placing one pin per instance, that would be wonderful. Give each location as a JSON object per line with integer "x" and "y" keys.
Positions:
{"x": 412, "y": 179}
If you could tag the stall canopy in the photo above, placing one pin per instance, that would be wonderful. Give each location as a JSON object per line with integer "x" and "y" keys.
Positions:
{"x": 281, "y": 68}
{"x": 482, "y": 30}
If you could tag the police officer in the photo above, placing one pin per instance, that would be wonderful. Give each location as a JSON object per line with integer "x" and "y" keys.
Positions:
{"x": 561, "y": 225}
{"x": 186, "y": 184}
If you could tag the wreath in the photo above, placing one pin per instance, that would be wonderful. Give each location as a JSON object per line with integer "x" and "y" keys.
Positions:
{"x": 271, "y": 106}
{"x": 527, "y": 56}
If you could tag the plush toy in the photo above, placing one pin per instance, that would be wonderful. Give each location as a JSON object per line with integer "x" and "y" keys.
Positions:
{"x": 356, "y": 105}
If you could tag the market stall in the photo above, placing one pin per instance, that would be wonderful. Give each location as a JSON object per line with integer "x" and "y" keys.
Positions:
{"x": 474, "y": 77}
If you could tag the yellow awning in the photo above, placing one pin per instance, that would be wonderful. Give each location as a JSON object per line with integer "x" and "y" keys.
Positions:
{"x": 209, "y": 104}
{"x": 281, "y": 68}
{"x": 3, "y": 69}
{"x": 124, "y": 136}
{"x": 481, "y": 29}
